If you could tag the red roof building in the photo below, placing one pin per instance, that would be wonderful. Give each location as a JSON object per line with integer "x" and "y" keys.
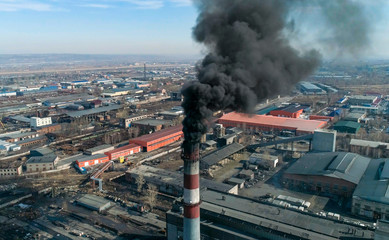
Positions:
{"x": 323, "y": 118}
{"x": 291, "y": 111}
{"x": 86, "y": 161}
{"x": 123, "y": 151}
{"x": 269, "y": 123}
{"x": 159, "y": 139}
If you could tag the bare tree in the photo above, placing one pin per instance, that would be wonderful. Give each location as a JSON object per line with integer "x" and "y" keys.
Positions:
{"x": 151, "y": 195}
{"x": 140, "y": 181}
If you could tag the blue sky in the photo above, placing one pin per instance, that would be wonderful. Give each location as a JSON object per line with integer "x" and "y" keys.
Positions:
{"x": 98, "y": 26}
{"x": 126, "y": 27}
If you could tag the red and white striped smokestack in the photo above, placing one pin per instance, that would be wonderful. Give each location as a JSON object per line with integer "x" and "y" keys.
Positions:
{"x": 191, "y": 155}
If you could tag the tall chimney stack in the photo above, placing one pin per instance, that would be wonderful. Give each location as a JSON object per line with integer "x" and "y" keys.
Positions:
{"x": 191, "y": 155}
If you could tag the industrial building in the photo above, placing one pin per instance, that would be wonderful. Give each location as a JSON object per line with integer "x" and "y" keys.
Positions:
{"x": 324, "y": 140}
{"x": 309, "y": 88}
{"x": 270, "y": 123}
{"x": 264, "y": 160}
{"x": 362, "y": 99}
{"x": 39, "y": 122}
{"x": 347, "y": 127}
{"x": 369, "y": 148}
{"x": 126, "y": 122}
{"x": 327, "y": 173}
{"x": 150, "y": 125}
{"x": 122, "y": 152}
{"x": 94, "y": 202}
{"x": 48, "y": 129}
{"x": 42, "y": 163}
{"x": 159, "y": 139}
{"x": 226, "y": 216}
{"x": 220, "y": 155}
{"x": 19, "y": 136}
{"x": 87, "y": 161}
{"x": 172, "y": 182}
{"x": 9, "y": 169}
{"x": 31, "y": 142}
{"x": 290, "y": 111}
{"x": 369, "y": 109}
{"x": 99, "y": 149}
{"x": 42, "y": 151}
{"x": 355, "y": 116}
{"x": 92, "y": 114}
{"x": 370, "y": 198}
{"x": 171, "y": 114}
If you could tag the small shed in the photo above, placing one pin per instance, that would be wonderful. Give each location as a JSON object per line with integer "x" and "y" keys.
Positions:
{"x": 264, "y": 160}
{"x": 94, "y": 202}
{"x": 246, "y": 174}
{"x": 236, "y": 181}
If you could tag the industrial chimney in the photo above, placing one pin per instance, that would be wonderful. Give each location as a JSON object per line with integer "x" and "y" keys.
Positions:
{"x": 191, "y": 155}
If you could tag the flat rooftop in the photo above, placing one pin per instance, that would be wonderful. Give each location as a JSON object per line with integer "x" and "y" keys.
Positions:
{"x": 93, "y": 202}
{"x": 272, "y": 121}
{"x": 222, "y": 153}
{"x": 76, "y": 114}
{"x": 285, "y": 220}
{"x": 159, "y": 134}
{"x": 151, "y": 122}
{"x": 42, "y": 159}
{"x": 99, "y": 148}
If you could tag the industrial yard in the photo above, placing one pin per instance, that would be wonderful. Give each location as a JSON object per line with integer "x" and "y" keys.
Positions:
{"x": 100, "y": 157}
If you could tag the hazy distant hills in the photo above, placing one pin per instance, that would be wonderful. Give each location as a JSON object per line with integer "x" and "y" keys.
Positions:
{"x": 32, "y": 59}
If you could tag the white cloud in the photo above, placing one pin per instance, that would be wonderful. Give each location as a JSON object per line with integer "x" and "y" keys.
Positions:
{"x": 93, "y": 5}
{"x": 146, "y": 4}
{"x": 17, "y": 5}
{"x": 51, "y": 5}
{"x": 181, "y": 3}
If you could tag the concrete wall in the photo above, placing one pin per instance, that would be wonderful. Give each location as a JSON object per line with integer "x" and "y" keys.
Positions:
{"x": 324, "y": 141}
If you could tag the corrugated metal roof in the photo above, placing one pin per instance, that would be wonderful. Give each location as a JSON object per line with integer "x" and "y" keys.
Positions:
{"x": 222, "y": 153}
{"x": 159, "y": 134}
{"x": 126, "y": 147}
{"x": 347, "y": 166}
{"x": 348, "y": 124}
{"x": 269, "y": 121}
{"x": 373, "y": 187}
{"x": 76, "y": 114}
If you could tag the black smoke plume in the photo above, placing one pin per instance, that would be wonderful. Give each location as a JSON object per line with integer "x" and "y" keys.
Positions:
{"x": 249, "y": 59}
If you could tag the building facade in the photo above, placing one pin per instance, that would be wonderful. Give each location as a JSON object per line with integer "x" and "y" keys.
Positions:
{"x": 11, "y": 170}
{"x": 122, "y": 152}
{"x": 41, "y": 163}
{"x": 87, "y": 161}
{"x": 39, "y": 122}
